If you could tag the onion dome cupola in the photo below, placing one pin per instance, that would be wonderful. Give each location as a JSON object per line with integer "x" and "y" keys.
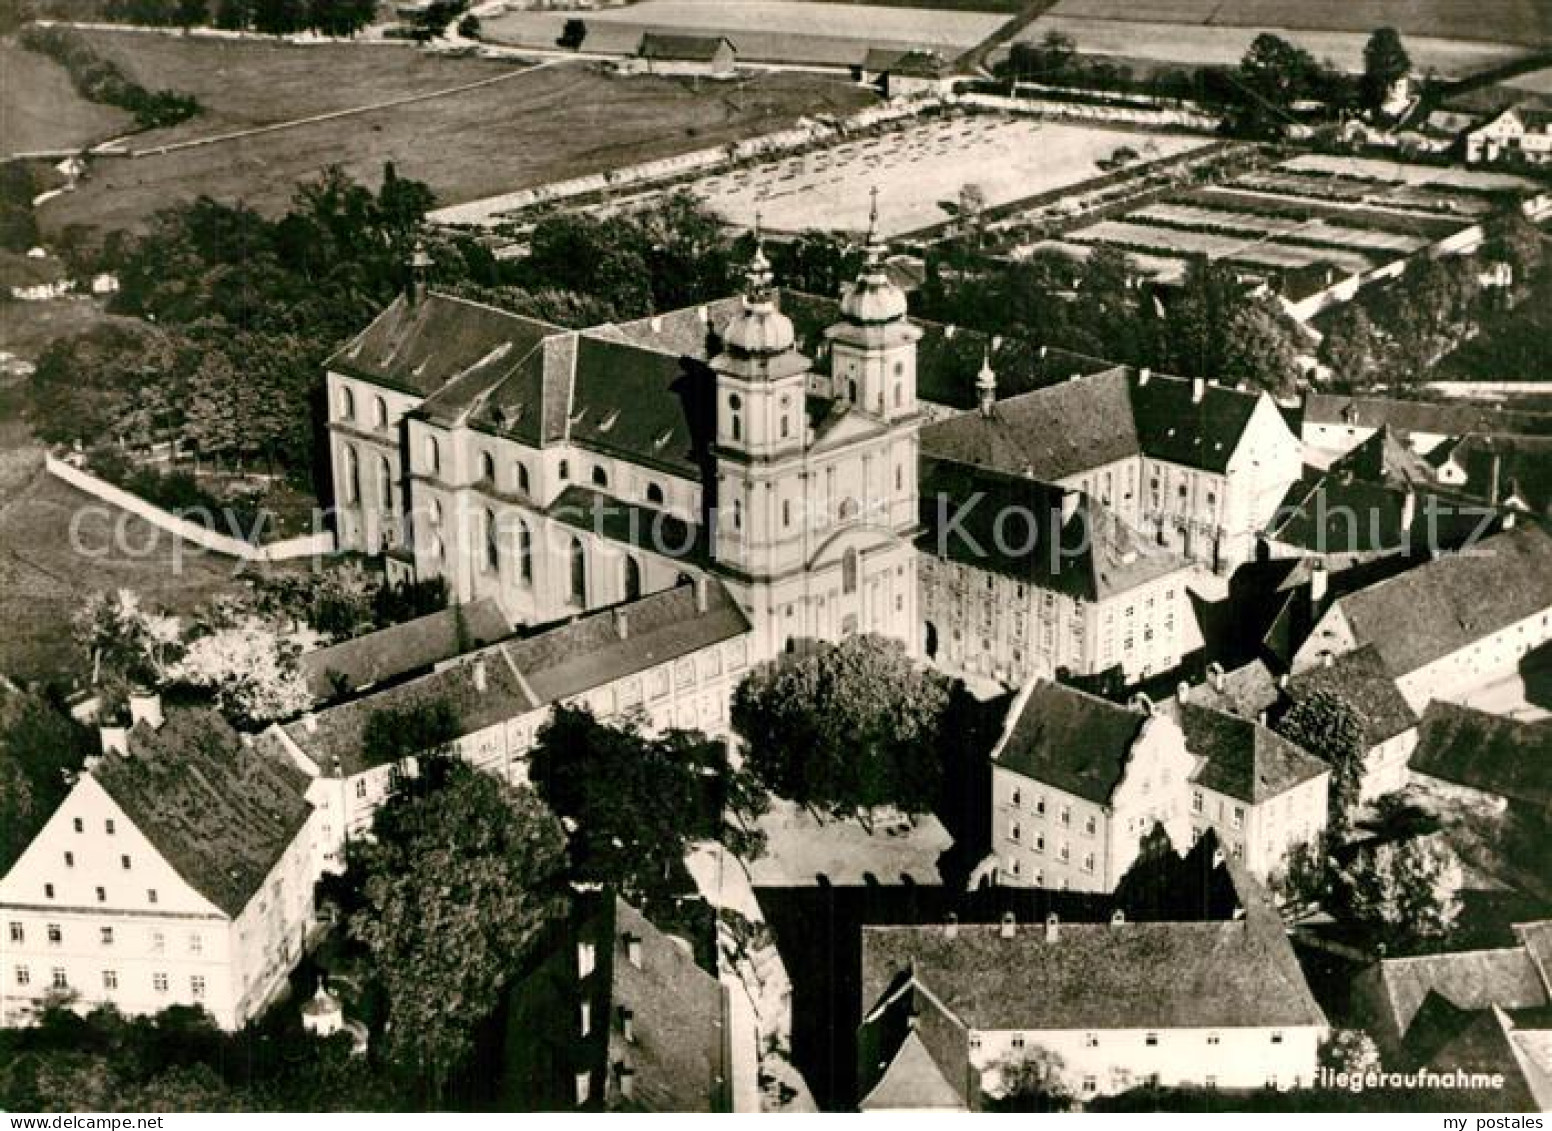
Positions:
{"x": 874, "y": 298}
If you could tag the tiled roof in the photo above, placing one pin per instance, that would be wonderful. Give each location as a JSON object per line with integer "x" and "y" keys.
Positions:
{"x": 1492, "y": 753}
{"x": 1243, "y": 758}
{"x": 1337, "y": 513}
{"x": 334, "y": 736}
{"x": 1386, "y": 457}
{"x": 1429, "y": 612}
{"x": 632, "y": 524}
{"x": 221, "y": 813}
{"x": 913, "y": 1055}
{"x": 1245, "y": 691}
{"x": 425, "y": 345}
{"x": 651, "y": 407}
{"x": 1130, "y": 975}
{"x": 1173, "y": 426}
{"x": 1536, "y": 938}
{"x": 1069, "y": 739}
{"x": 690, "y": 48}
{"x": 1524, "y": 468}
{"x": 1360, "y": 678}
{"x": 379, "y": 657}
{"x": 1013, "y": 525}
{"x": 677, "y": 1059}
{"x": 911, "y": 62}
{"x": 591, "y": 651}
{"x": 1474, "y": 979}
{"x": 1455, "y": 418}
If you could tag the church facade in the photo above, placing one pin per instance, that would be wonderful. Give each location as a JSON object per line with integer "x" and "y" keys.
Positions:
{"x": 559, "y": 471}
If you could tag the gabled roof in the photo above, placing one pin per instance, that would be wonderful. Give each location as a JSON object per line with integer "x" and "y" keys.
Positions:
{"x": 1385, "y": 457}
{"x": 913, "y": 1055}
{"x": 606, "y": 646}
{"x": 1128, "y": 975}
{"x": 380, "y": 657}
{"x": 1244, "y": 759}
{"x": 1468, "y": 980}
{"x": 677, "y": 1059}
{"x": 1336, "y": 512}
{"x": 1524, "y": 468}
{"x": 1360, "y": 678}
{"x": 651, "y": 407}
{"x": 689, "y": 48}
{"x": 1173, "y": 425}
{"x": 1069, "y": 739}
{"x": 1454, "y": 418}
{"x": 1491, "y": 753}
{"x": 1246, "y": 691}
{"x": 910, "y": 62}
{"x": 981, "y": 517}
{"x": 424, "y": 345}
{"x": 1442, "y": 606}
{"x": 221, "y": 813}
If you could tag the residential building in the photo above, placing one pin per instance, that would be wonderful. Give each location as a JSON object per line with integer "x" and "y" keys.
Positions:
{"x": 1077, "y": 782}
{"x": 905, "y": 72}
{"x": 1518, "y": 134}
{"x": 1217, "y": 1005}
{"x": 671, "y": 659}
{"x": 1389, "y": 723}
{"x": 1484, "y": 759}
{"x": 1264, "y": 795}
{"x": 1197, "y": 467}
{"x": 1020, "y": 579}
{"x": 1338, "y": 422}
{"x": 559, "y": 471}
{"x": 177, "y": 871}
{"x": 1452, "y": 624}
{"x": 618, "y": 1018}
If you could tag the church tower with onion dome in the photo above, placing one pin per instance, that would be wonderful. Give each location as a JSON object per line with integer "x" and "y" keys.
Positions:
{"x": 816, "y": 496}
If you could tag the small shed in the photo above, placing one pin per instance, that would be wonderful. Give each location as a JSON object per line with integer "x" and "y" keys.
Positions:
{"x": 670, "y": 53}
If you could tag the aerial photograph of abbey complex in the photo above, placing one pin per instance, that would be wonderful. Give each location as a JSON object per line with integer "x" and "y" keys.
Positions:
{"x": 775, "y": 556}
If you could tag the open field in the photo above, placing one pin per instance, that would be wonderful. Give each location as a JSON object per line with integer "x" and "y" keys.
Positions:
{"x": 27, "y": 328}
{"x": 40, "y": 110}
{"x": 42, "y": 580}
{"x": 1524, "y": 22}
{"x": 1536, "y": 82}
{"x": 794, "y": 31}
{"x": 919, "y": 167}
{"x": 542, "y": 125}
{"x": 1179, "y": 45}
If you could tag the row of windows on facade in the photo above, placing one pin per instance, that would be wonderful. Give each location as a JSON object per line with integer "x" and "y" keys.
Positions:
{"x": 1063, "y": 853}
{"x": 59, "y": 979}
{"x": 100, "y": 891}
{"x": 55, "y": 933}
{"x": 1063, "y": 814}
{"x": 1093, "y": 1040}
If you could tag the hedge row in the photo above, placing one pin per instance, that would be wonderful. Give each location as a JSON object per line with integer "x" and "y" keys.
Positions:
{"x": 98, "y": 80}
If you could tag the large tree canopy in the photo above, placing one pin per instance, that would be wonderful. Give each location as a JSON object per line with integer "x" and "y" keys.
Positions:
{"x": 847, "y": 726}
{"x": 1331, "y": 728}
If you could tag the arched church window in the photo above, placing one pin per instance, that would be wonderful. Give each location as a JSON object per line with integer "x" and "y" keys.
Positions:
{"x": 578, "y": 586}
{"x": 600, "y": 476}
{"x": 384, "y": 483}
{"x": 848, "y": 508}
{"x": 849, "y": 572}
{"x": 433, "y": 455}
{"x": 352, "y": 476}
{"x": 524, "y": 554}
{"x": 380, "y": 412}
{"x": 522, "y": 477}
{"x": 487, "y": 467}
{"x": 899, "y": 394}
{"x": 632, "y": 579}
{"x": 655, "y": 493}
{"x": 347, "y": 403}
{"x": 492, "y": 546}
{"x": 735, "y": 417}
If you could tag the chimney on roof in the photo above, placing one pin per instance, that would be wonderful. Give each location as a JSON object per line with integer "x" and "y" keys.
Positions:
{"x": 1182, "y": 691}
{"x": 587, "y": 957}
{"x": 1408, "y": 511}
{"x": 632, "y": 949}
{"x": 657, "y": 323}
{"x": 1198, "y": 389}
{"x": 115, "y": 740}
{"x": 1053, "y": 928}
{"x": 1215, "y": 675}
{"x": 421, "y": 264}
{"x": 584, "y": 1087}
{"x": 1507, "y": 522}
{"x": 480, "y": 675}
{"x": 1319, "y": 584}
{"x": 585, "y": 1022}
{"x": 702, "y": 313}
{"x": 1493, "y": 487}
{"x": 627, "y": 1023}
{"x": 1327, "y": 659}
{"x": 1009, "y": 926}
{"x": 951, "y": 926}
{"x": 310, "y": 723}
{"x": 1118, "y": 918}
{"x": 1144, "y": 375}
{"x": 621, "y": 624}
{"x": 1283, "y": 681}
{"x": 949, "y": 331}
{"x": 702, "y": 593}
{"x": 627, "y": 1080}
{"x": 1141, "y": 702}
{"x": 145, "y": 706}
{"x": 986, "y": 387}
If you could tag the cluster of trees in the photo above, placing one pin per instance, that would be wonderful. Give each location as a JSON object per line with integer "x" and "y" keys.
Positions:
{"x": 1328, "y": 725}
{"x": 1211, "y": 327}
{"x": 99, "y": 80}
{"x": 1265, "y": 93}
{"x": 41, "y": 747}
{"x": 344, "y": 599}
{"x": 1396, "y": 333}
{"x": 244, "y": 309}
{"x": 846, "y": 727}
{"x": 18, "y": 224}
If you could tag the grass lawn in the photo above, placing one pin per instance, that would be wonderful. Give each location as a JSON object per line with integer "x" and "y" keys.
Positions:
{"x": 40, "y": 110}
{"x": 546, "y": 124}
{"x": 27, "y": 328}
{"x": 42, "y": 579}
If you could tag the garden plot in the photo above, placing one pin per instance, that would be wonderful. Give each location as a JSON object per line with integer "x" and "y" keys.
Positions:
{"x": 921, "y": 168}
{"x": 1313, "y": 231}
{"x": 1397, "y": 172}
{"x": 1256, "y": 249}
